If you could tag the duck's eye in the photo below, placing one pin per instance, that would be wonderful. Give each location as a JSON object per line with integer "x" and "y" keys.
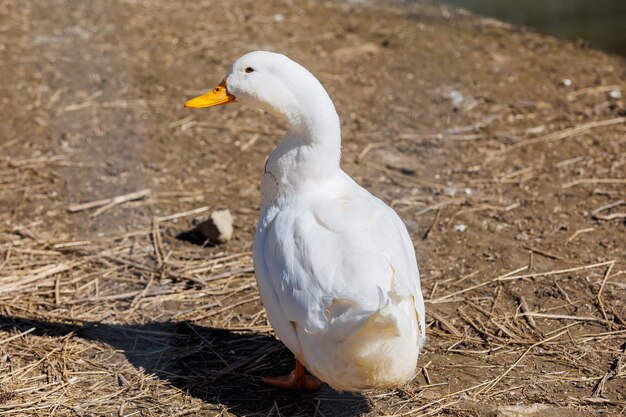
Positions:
{"x": 249, "y": 70}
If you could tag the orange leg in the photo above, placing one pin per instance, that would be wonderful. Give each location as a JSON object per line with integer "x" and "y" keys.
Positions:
{"x": 297, "y": 379}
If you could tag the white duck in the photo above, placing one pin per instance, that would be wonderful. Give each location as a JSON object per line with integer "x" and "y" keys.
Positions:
{"x": 335, "y": 265}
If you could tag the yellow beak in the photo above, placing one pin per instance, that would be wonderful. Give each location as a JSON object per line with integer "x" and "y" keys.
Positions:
{"x": 216, "y": 97}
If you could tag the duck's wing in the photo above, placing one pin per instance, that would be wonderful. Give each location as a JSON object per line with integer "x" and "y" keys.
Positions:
{"x": 377, "y": 231}
{"x": 408, "y": 277}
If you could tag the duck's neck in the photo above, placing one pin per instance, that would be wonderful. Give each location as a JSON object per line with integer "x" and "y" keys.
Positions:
{"x": 309, "y": 153}
{"x": 317, "y": 128}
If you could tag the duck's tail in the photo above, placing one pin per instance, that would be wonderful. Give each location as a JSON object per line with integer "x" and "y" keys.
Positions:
{"x": 368, "y": 350}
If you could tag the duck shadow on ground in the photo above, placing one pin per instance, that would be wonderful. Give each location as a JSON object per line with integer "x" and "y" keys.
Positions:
{"x": 194, "y": 237}
{"x": 216, "y": 365}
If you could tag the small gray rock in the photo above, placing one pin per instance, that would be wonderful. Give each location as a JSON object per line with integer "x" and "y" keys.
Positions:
{"x": 460, "y": 228}
{"x": 218, "y": 228}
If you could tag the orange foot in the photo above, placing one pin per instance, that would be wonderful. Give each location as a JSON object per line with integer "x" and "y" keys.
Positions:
{"x": 297, "y": 379}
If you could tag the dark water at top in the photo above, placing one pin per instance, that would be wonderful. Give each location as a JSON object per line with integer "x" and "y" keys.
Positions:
{"x": 602, "y": 23}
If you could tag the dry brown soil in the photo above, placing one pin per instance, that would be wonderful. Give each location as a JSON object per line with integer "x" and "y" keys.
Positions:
{"x": 124, "y": 312}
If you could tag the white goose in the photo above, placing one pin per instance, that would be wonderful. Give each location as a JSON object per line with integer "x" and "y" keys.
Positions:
{"x": 335, "y": 266}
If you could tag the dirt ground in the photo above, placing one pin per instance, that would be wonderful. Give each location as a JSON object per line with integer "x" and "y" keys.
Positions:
{"x": 510, "y": 178}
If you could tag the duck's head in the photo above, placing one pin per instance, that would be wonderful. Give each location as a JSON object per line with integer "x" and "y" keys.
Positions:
{"x": 272, "y": 82}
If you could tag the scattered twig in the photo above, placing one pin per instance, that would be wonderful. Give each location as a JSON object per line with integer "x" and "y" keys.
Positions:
{"x": 9, "y": 339}
{"x": 107, "y": 203}
{"x": 559, "y": 317}
{"x": 432, "y": 225}
{"x": 183, "y": 214}
{"x": 157, "y": 241}
{"x": 596, "y": 213}
{"x": 574, "y": 131}
{"x": 594, "y": 181}
{"x": 599, "y": 296}
{"x": 444, "y": 322}
{"x": 528, "y": 316}
{"x": 22, "y": 282}
{"x": 555, "y": 272}
{"x": 544, "y": 253}
{"x": 591, "y": 90}
{"x": 579, "y": 232}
